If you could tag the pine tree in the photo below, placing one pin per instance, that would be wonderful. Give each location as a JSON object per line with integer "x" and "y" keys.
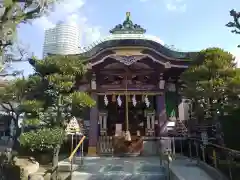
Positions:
{"x": 56, "y": 92}
{"x": 12, "y": 95}
{"x": 212, "y": 85}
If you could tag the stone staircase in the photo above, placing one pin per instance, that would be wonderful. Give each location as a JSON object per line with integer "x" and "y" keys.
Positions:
{"x": 131, "y": 168}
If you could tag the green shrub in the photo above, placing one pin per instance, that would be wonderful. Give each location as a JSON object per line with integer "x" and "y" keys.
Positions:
{"x": 43, "y": 140}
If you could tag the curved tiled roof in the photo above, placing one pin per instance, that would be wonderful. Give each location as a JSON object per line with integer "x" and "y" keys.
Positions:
{"x": 115, "y": 40}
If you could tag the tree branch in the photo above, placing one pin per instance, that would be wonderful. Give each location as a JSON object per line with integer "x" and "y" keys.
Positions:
{"x": 9, "y": 110}
{"x": 235, "y": 24}
{"x": 5, "y": 14}
{"x": 5, "y": 108}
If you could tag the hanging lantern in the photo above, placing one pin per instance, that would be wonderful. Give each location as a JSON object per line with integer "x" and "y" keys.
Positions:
{"x": 147, "y": 101}
{"x": 105, "y": 100}
{"x": 119, "y": 101}
{"x": 168, "y": 65}
{"x": 134, "y": 101}
{"x": 93, "y": 82}
{"x": 113, "y": 98}
{"x": 161, "y": 84}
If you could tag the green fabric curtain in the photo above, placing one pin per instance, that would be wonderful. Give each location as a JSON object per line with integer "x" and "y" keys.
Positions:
{"x": 171, "y": 100}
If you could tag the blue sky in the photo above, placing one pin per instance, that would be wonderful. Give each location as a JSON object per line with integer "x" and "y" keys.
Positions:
{"x": 189, "y": 25}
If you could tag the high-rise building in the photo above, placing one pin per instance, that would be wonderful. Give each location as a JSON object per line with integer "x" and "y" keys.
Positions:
{"x": 63, "y": 39}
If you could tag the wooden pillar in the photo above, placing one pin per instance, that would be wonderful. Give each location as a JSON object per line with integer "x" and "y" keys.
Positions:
{"x": 93, "y": 131}
{"x": 179, "y": 99}
{"x": 161, "y": 105}
{"x": 161, "y": 109}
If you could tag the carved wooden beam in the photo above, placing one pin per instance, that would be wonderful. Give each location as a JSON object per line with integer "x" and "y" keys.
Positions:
{"x": 137, "y": 92}
{"x": 121, "y": 71}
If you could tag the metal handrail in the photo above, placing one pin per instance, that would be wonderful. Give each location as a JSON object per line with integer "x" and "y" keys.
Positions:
{"x": 76, "y": 148}
{"x": 216, "y": 145}
{"x": 226, "y": 161}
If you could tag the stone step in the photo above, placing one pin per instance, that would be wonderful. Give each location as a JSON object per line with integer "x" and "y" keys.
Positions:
{"x": 134, "y": 168}
{"x": 66, "y": 166}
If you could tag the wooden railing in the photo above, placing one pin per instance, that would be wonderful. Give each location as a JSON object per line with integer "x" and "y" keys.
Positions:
{"x": 105, "y": 145}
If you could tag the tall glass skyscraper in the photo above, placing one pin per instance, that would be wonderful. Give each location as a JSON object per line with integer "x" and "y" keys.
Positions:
{"x": 63, "y": 39}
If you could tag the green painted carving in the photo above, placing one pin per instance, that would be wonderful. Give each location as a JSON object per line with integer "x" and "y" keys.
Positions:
{"x": 127, "y": 27}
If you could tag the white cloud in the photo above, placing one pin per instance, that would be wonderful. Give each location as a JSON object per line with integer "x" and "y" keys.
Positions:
{"x": 238, "y": 60}
{"x": 70, "y": 6}
{"x": 44, "y": 23}
{"x": 70, "y": 11}
{"x": 92, "y": 34}
{"x": 236, "y": 53}
{"x": 176, "y": 5}
{"x": 61, "y": 12}
{"x": 171, "y": 5}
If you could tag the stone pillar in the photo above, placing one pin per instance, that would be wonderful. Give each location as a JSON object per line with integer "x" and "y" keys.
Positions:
{"x": 93, "y": 130}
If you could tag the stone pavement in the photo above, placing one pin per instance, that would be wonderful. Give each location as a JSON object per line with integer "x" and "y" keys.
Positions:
{"x": 133, "y": 168}
{"x": 186, "y": 169}
{"x": 137, "y": 168}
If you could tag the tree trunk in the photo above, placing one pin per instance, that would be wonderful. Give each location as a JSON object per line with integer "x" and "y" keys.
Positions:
{"x": 16, "y": 144}
{"x": 55, "y": 163}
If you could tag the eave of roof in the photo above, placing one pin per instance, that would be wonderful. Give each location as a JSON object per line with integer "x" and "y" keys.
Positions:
{"x": 115, "y": 40}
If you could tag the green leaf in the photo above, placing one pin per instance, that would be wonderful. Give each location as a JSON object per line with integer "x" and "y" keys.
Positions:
{"x": 82, "y": 99}
{"x": 29, "y": 106}
{"x": 211, "y": 83}
{"x": 7, "y": 3}
{"x": 32, "y": 122}
{"x": 45, "y": 139}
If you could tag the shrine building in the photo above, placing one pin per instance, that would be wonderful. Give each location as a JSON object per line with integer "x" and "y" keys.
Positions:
{"x": 135, "y": 83}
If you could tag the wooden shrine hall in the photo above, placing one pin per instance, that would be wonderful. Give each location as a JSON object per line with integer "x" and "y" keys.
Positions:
{"x": 135, "y": 81}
